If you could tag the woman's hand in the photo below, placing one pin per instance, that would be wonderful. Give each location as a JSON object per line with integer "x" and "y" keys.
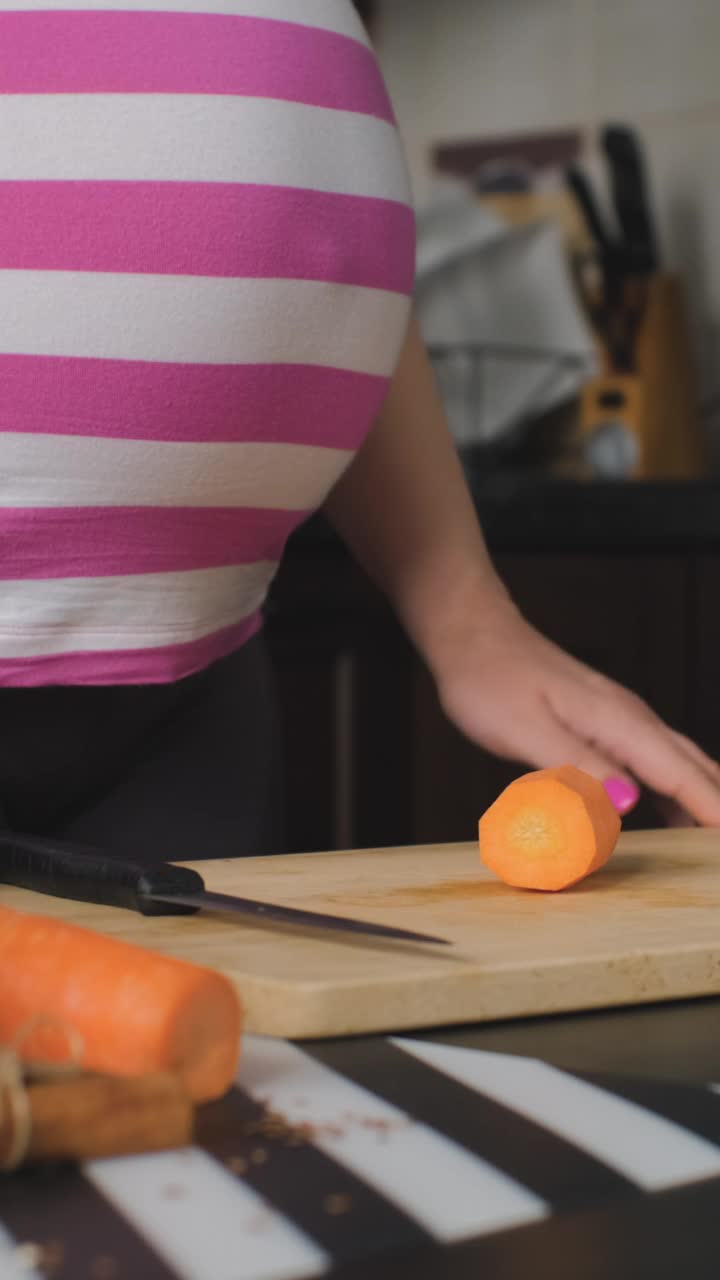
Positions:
{"x": 514, "y": 692}
{"x": 404, "y": 508}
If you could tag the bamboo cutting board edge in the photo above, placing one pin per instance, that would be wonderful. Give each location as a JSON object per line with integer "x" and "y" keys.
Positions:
{"x": 514, "y": 992}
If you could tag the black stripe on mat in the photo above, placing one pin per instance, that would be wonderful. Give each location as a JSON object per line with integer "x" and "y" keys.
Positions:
{"x": 343, "y": 1214}
{"x": 562, "y": 1174}
{"x": 59, "y": 1210}
{"x": 674, "y": 1235}
{"x": 691, "y": 1106}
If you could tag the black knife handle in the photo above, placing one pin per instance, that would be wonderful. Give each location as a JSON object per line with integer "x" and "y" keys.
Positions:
{"x": 90, "y": 875}
{"x": 631, "y": 196}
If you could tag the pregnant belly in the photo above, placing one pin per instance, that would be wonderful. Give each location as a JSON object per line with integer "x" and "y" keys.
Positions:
{"x": 206, "y": 267}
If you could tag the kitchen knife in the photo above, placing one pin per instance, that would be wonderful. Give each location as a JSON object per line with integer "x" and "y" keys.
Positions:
{"x": 63, "y": 870}
{"x": 630, "y": 196}
{"x": 618, "y": 315}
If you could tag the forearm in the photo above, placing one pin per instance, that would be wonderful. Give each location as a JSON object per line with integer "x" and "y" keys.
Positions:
{"x": 404, "y": 509}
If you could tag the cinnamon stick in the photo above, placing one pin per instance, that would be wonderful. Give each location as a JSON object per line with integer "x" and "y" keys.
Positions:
{"x": 86, "y": 1117}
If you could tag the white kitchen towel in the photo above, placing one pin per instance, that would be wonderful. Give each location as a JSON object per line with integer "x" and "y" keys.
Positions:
{"x": 501, "y": 316}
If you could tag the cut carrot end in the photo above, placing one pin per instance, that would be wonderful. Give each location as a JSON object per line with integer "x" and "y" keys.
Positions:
{"x": 69, "y": 994}
{"x": 549, "y": 829}
{"x": 206, "y": 1039}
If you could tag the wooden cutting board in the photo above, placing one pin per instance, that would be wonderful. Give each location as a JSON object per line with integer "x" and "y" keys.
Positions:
{"x": 646, "y": 928}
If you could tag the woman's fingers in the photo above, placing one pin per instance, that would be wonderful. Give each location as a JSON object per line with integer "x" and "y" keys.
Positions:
{"x": 705, "y": 762}
{"x": 625, "y": 730}
{"x": 628, "y": 730}
{"x": 547, "y": 743}
{"x": 523, "y": 698}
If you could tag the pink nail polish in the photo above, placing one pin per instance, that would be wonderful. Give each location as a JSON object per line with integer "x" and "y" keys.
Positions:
{"x": 624, "y": 795}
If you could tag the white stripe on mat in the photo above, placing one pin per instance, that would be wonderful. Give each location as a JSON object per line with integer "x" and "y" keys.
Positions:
{"x": 195, "y": 320}
{"x": 15, "y": 1265}
{"x": 143, "y": 611}
{"x": 203, "y": 1221}
{"x": 653, "y": 1152}
{"x": 450, "y": 1192}
{"x": 199, "y": 138}
{"x": 328, "y": 15}
{"x": 67, "y": 471}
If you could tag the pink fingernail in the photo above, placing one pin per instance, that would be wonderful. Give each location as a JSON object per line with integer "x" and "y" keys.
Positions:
{"x": 624, "y": 794}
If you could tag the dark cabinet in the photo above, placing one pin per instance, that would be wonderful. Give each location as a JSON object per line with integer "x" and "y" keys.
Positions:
{"x": 371, "y": 759}
{"x": 611, "y": 612}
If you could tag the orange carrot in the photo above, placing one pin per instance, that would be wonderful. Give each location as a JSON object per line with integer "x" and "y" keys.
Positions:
{"x": 121, "y": 1009}
{"x": 549, "y": 829}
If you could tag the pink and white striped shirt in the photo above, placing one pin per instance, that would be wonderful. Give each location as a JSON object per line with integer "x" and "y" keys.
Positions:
{"x": 206, "y": 260}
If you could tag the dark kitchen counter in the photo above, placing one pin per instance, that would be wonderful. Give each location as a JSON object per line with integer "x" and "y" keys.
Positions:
{"x": 522, "y": 513}
{"x": 528, "y": 512}
{"x": 596, "y": 1224}
{"x": 673, "y": 1233}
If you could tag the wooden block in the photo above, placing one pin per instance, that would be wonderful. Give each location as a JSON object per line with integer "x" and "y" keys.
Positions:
{"x": 522, "y": 209}
{"x": 660, "y": 402}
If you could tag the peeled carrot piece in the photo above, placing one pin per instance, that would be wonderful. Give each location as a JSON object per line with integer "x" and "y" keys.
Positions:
{"x": 549, "y": 829}
{"x": 124, "y": 1010}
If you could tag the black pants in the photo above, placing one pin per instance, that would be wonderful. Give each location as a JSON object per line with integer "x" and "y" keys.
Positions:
{"x": 182, "y": 771}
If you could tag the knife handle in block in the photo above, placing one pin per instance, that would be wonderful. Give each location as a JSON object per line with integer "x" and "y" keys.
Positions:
{"x": 91, "y": 875}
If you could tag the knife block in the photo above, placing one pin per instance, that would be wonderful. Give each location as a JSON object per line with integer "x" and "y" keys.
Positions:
{"x": 658, "y": 405}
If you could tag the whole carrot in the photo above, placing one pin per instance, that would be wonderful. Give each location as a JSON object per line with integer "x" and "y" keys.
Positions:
{"x": 68, "y": 993}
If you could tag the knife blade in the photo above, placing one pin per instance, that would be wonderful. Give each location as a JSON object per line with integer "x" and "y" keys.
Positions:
{"x": 82, "y": 874}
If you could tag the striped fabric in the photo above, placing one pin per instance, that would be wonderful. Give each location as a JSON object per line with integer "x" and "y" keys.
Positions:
{"x": 390, "y": 1159}
{"x": 206, "y": 262}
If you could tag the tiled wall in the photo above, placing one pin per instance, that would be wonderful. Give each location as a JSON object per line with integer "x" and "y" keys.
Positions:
{"x": 467, "y": 67}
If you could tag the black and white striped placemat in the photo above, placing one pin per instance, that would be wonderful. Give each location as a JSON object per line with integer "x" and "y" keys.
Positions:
{"x": 404, "y": 1155}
